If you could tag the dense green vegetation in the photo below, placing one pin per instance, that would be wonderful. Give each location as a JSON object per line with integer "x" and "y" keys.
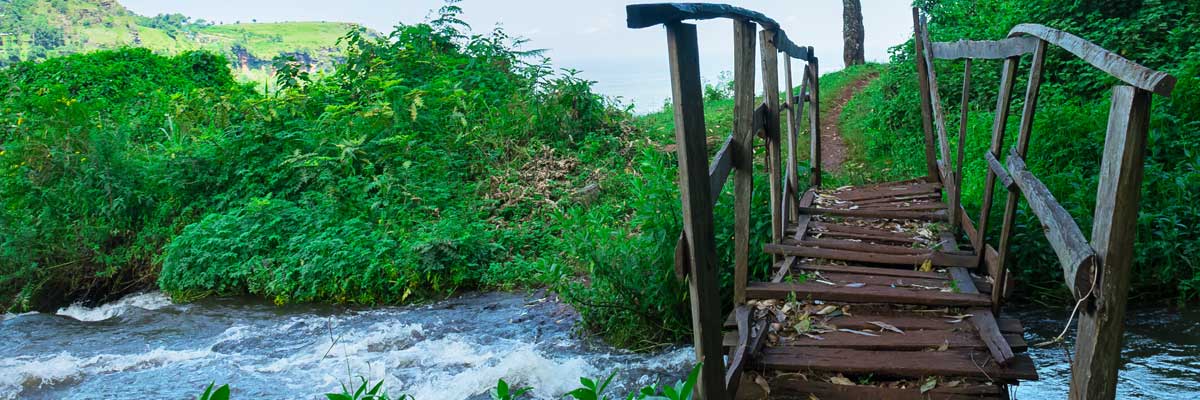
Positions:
{"x": 883, "y": 125}
{"x": 39, "y": 29}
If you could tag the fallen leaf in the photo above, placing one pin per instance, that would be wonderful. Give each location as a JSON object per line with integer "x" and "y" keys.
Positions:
{"x": 951, "y": 384}
{"x": 803, "y": 326}
{"x": 827, "y": 310}
{"x": 927, "y": 266}
{"x": 857, "y": 332}
{"x": 929, "y": 384}
{"x": 945, "y": 346}
{"x": 886, "y": 326}
{"x": 826, "y": 282}
{"x": 841, "y": 380}
{"x": 958, "y": 318}
{"x": 815, "y": 337}
{"x": 855, "y": 285}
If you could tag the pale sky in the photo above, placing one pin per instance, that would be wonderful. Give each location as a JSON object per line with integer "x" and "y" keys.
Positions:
{"x": 585, "y": 35}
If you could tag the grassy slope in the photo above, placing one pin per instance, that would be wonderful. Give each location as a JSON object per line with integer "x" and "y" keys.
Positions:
{"x": 97, "y": 24}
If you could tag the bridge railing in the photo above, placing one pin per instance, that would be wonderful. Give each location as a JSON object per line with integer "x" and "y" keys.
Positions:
{"x": 1097, "y": 272}
{"x": 701, "y": 181}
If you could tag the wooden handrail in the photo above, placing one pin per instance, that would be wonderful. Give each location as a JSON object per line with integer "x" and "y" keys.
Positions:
{"x": 1119, "y": 67}
{"x": 1076, "y": 256}
{"x": 646, "y": 15}
{"x": 984, "y": 49}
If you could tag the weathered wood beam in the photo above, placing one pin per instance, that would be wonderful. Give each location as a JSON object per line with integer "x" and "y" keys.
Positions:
{"x": 999, "y": 125}
{"x": 998, "y": 169}
{"x": 790, "y": 180}
{"x": 916, "y": 364}
{"x": 984, "y": 49}
{"x": 926, "y": 107}
{"x": 1076, "y": 256}
{"x": 802, "y": 224}
{"x": 773, "y": 158}
{"x": 939, "y": 215}
{"x": 1107, "y": 61}
{"x": 690, "y": 137}
{"x": 746, "y": 122}
{"x": 814, "y": 121}
{"x": 956, "y": 195}
{"x": 938, "y": 258}
{"x": 1102, "y": 324}
{"x": 647, "y": 15}
{"x": 939, "y": 120}
{"x": 983, "y": 320}
{"x": 868, "y": 294}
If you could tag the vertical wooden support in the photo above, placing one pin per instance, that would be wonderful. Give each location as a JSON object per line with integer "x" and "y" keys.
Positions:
{"x": 770, "y": 80}
{"x": 1023, "y": 134}
{"x": 697, "y": 207}
{"x": 790, "y": 182}
{"x": 1101, "y": 327}
{"x": 999, "y": 124}
{"x": 814, "y": 118}
{"x": 743, "y": 154}
{"x": 956, "y": 196}
{"x": 926, "y": 106}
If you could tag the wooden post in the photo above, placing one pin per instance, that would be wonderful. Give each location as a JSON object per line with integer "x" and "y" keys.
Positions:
{"x": 1101, "y": 327}
{"x": 697, "y": 208}
{"x": 770, "y": 80}
{"x": 814, "y": 118}
{"x": 1023, "y": 134}
{"x": 926, "y": 106}
{"x": 999, "y": 124}
{"x": 790, "y": 182}
{"x": 743, "y": 154}
{"x": 956, "y": 196}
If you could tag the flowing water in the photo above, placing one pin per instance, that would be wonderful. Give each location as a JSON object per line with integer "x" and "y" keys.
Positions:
{"x": 144, "y": 346}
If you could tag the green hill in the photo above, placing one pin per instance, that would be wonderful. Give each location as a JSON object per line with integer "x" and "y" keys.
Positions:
{"x": 40, "y": 29}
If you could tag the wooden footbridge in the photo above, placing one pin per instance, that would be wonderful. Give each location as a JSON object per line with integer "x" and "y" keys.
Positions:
{"x": 890, "y": 290}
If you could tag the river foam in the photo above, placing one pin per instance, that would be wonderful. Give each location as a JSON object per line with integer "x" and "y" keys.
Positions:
{"x": 147, "y": 301}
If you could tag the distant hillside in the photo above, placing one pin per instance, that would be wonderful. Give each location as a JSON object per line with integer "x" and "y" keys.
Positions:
{"x": 38, "y": 29}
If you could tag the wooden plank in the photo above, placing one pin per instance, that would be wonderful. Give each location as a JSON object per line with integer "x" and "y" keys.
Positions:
{"x": 855, "y": 246}
{"x": 785, "y": 387}
{"x": 920, "y": 215}
{"x": 932, "y": 196}
{"x": 869, "y": 232}
{"x": 927, "y": 206}
{"x": 876, "y": 271}
{"x": 1107, "y": 61}
{"x": 1011, "y": 327}
{"x": 938, "y": 258}
{"x": 983, "y": 320}
{"x": 820, "y": 291}
{"x": 999, "y": 125}
{"x": 770, "y": 80}
{"x": 697, "y": 207}
{"x": 926, "y": 106}
{"x": 984, "y": 49}
{"x": 912, "y": 364}
{"x": 996, "y": 168}
{"x": 911, "y": 340}
{"x": 745, "y": 125}
{"x": 888, "y": 192}
{"x": 718, "y": 170}
{"x": 802, "y": 223}
{"x": 741, "y": 351}
{"x": 1075, "y": 255}
{"x": 1101, "y": 327}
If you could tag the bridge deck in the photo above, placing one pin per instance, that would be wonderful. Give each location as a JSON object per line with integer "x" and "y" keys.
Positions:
{"x": 871, "y": 288}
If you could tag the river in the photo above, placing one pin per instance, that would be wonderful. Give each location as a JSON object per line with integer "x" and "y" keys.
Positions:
{"x": 145, "y": 346}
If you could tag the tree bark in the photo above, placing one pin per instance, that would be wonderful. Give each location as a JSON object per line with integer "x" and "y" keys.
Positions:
{"x": 852, "y": 32}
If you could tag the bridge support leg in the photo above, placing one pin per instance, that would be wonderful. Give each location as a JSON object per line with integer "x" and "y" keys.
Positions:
{"x": 1102, "y": 324}
{"x": 690, "y": 138}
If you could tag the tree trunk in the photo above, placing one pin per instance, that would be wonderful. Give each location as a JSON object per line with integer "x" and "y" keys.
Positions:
{"x": 852, "y": 32}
